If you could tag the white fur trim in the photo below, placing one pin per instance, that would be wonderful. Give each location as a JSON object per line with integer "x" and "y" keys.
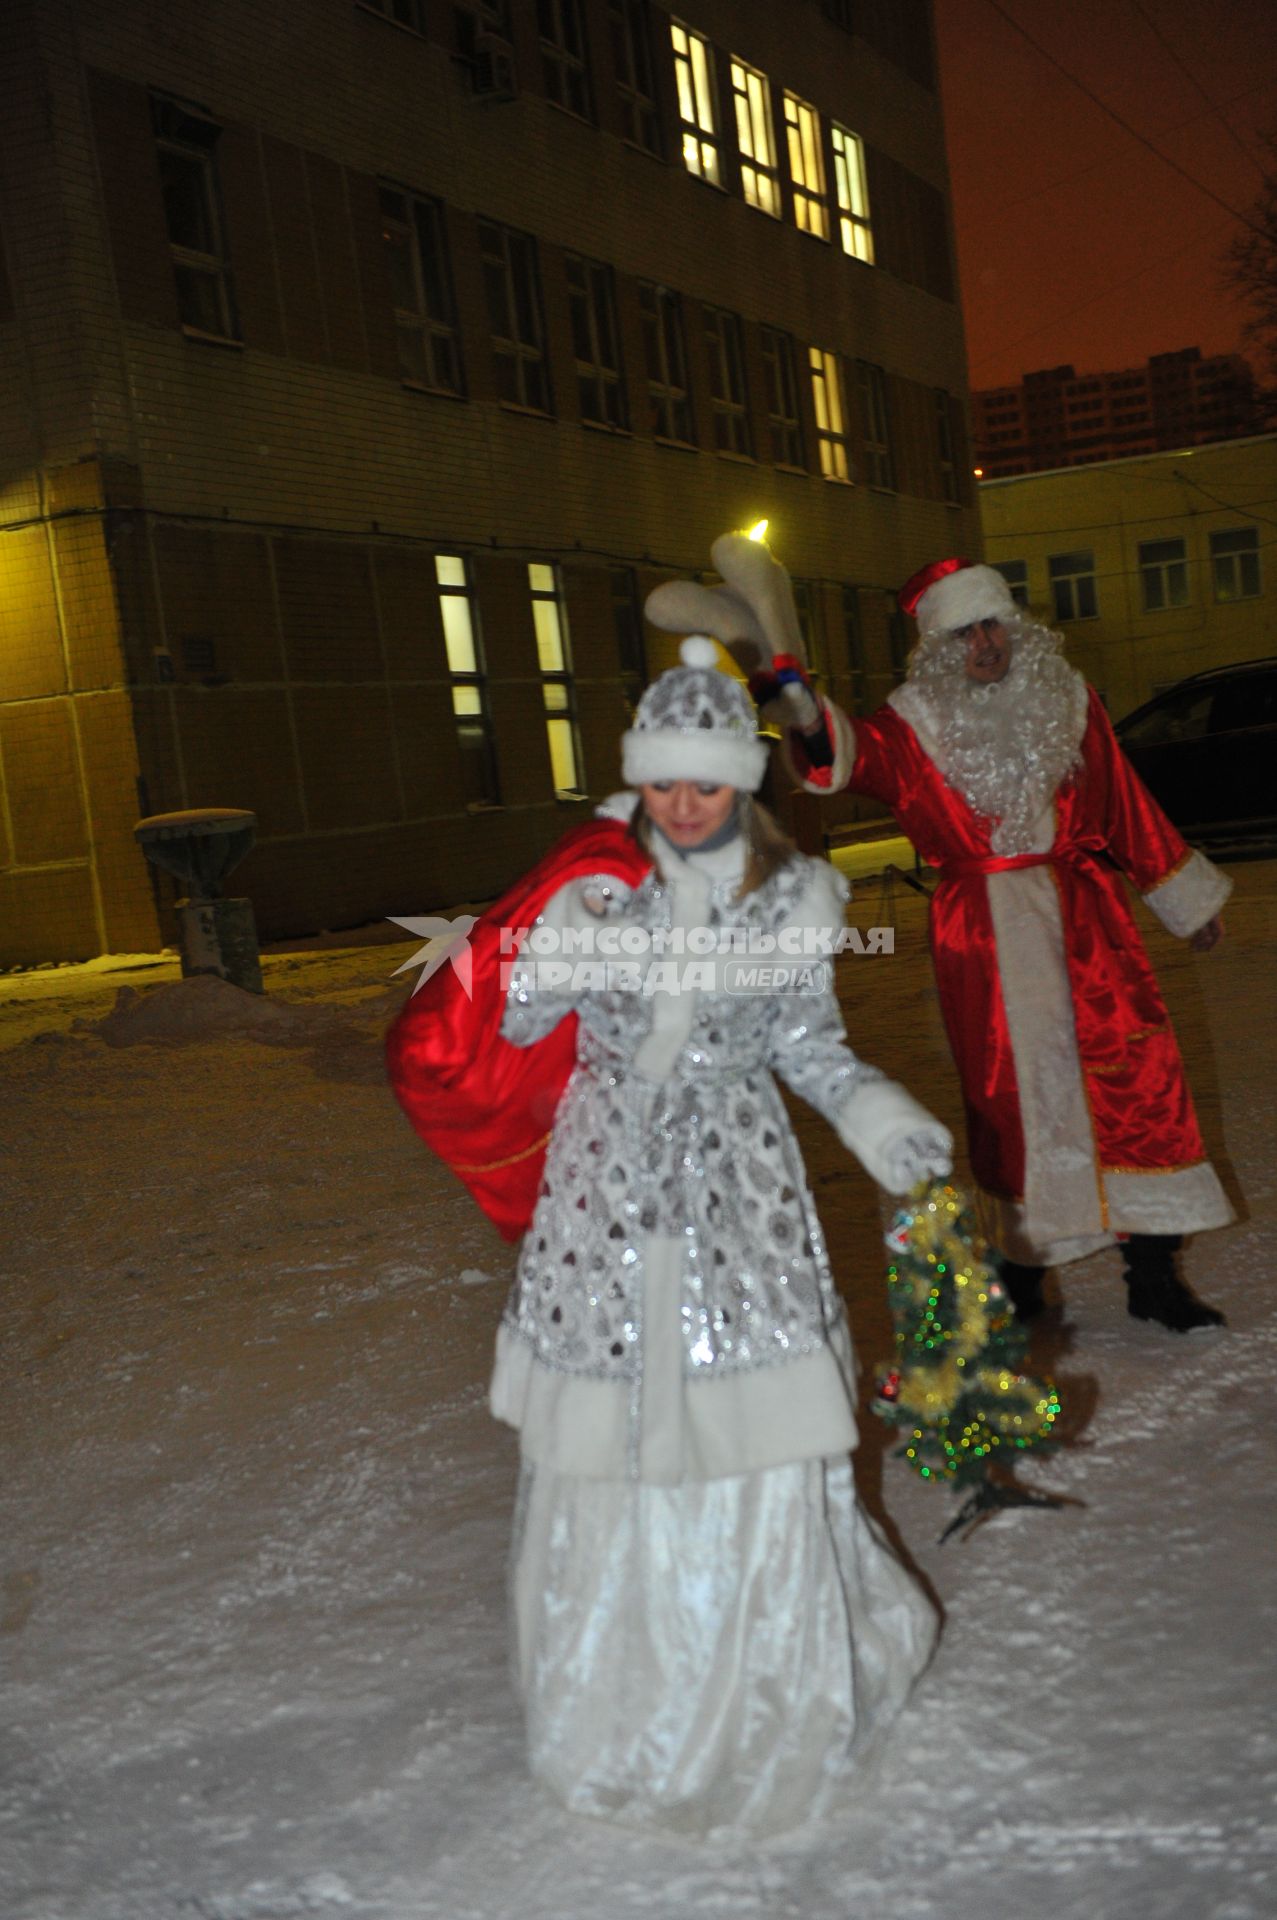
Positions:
{"x": 880, "y": 1122}
{"x": 692, "y": 753}
{"x": 974, "y": 593}
{"x": 618, "y": 806}
{"x": 743, "y": 1423}
{"x": 1191, "y": 896}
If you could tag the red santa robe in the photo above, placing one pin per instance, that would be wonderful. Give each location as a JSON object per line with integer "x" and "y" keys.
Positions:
{"x": 1080, "y": 1122}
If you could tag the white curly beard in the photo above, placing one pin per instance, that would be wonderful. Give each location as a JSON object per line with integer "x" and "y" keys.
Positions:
{"x": 1008, "y": 747}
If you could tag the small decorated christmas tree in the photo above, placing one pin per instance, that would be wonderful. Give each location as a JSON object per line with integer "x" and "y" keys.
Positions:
{"x": 956, "y": 1390}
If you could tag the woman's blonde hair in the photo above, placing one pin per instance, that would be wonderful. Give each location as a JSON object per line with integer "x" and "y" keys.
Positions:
{"x": 767, "y": 845}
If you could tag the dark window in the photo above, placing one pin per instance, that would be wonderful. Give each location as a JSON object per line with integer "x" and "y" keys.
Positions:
{"x": 564, "y": 61}
{"x": 875, "y": 422}
{"x": 855, "y": 638}
{"x": 513, "y": 287}
{"x": 1234, "y": 555}
{"x": 186, "y": 147}
{"x": 840, "y": 12}
{"x": 949, "y": 485}
{"x": 670, "y": 405}
{"x": 728, "y": 396}
{"x": 469, "y": 681}
{"x": 780, "y": 369}
{"x": 595, "y": 342}
{"x": 1163, "y": 574}
{"x": 635, "y": 76}
{"x": 1072, "y": 577}
{"x": 405, "y": 13}
{"x": 627, "y": 622}
{"x": 812, "y": 638}
{"x": 1181, "y": 716}
{"x": 421, "y": 288}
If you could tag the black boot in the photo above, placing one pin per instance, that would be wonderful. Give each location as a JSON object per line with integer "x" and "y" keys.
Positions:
{"x": 1155, "y": 1290}
{"x": 1024, "y": 1288}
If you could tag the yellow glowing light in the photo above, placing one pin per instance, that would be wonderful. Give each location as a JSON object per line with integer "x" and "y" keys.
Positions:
{"x": 978, "y": 472}
{"x": 759, "y": 530}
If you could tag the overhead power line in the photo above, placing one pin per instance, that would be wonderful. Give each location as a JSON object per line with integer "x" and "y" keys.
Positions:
{"x": 1193, "y": 81}
{"x": 1234, "y": 213}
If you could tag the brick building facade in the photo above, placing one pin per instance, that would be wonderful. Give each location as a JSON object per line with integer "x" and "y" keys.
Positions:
{"x": 365, "y": 361}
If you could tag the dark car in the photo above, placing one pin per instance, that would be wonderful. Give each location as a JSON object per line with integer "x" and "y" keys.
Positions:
{"x": 1207, "y": 750}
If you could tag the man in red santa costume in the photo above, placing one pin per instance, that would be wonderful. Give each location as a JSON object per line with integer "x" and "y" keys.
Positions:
{"x": 1002, "y": 767}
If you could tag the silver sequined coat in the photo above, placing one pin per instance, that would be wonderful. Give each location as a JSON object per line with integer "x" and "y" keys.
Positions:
{"x": 694, "y": 1150}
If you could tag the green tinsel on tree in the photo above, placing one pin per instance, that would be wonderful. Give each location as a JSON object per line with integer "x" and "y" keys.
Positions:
{"x": 956, "y": 1390}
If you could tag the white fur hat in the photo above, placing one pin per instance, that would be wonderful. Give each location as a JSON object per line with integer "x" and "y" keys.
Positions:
{"x": 695, "y": 723}
{"x": 955, "y": 593}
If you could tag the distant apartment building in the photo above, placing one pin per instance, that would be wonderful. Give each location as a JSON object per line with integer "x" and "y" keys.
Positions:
{"x": 1058, "y": 418}
{"x": 1153, "y": 567}
{"x": 364, "y": 364}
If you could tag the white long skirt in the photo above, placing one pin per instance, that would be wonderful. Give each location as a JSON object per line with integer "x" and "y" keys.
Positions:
{"x": 707, "y": 1658}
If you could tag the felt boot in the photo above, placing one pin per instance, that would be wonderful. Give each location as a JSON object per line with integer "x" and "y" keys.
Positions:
{"x": 1155, "y": 1290}
{"x": 1024, "y": 1288}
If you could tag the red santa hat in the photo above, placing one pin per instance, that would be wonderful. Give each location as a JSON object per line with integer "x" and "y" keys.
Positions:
{"x": 955, "y": 593}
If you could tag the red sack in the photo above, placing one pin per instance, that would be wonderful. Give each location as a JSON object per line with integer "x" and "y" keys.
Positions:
{"x": 484, "y": 1106}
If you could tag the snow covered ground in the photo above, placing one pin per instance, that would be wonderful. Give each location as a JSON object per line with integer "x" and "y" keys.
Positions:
{"x": 253, "y": 1511}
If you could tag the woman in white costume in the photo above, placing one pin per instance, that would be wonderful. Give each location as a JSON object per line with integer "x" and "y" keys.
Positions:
{"x": 708, "y": 1628}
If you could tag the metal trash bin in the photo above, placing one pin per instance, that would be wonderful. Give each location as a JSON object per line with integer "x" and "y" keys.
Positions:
{"x": 200, "y": 846}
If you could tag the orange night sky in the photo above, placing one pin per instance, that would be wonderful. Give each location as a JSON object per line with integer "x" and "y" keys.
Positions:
{"x": 1074, "y": 242}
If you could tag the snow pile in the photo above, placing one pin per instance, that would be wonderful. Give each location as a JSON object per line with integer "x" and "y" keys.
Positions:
{"x": 205, "y": 1007}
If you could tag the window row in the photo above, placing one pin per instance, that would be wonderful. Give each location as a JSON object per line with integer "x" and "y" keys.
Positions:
{"x": 1163, "y": 575}
{"x": 705, "y": 133}
{"x": 428, "y": 326}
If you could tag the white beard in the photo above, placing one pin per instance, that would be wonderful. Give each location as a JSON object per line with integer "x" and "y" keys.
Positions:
{"x": 1006, "y": 748}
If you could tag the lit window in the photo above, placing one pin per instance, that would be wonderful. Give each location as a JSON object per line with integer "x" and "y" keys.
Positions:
{"x": 635, "y": 76}
{"x": 806, "y": 166}
{"x": 698, "y": 119}
{"x": 831, "y": 417}
{"x": 558, "y": 690}
{"x": 1163, "y": 574}
{"x": 186, "y": 146}
{"x": 1016, "y": 575}
{"x": 875, "y": 421}
{"x": 1235, "y": 563}
{"x": 728, "y": 395}
{"x": 563, "y": 55}
{"x": 469, "y": 682}
{"x": 421, "y": 288}
{"x": 669, "y": 401}
{"x": 759, "y": 174}
{"x": 513, "y": 289}
{"x": 852, "y": 193}
{"x": 1072, "y": 577}
{"x": 600, "y": 383}
{"x": 780, "y": 370}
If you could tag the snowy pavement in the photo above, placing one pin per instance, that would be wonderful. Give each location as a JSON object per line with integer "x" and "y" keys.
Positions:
{"x": 253, "y": 1512}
